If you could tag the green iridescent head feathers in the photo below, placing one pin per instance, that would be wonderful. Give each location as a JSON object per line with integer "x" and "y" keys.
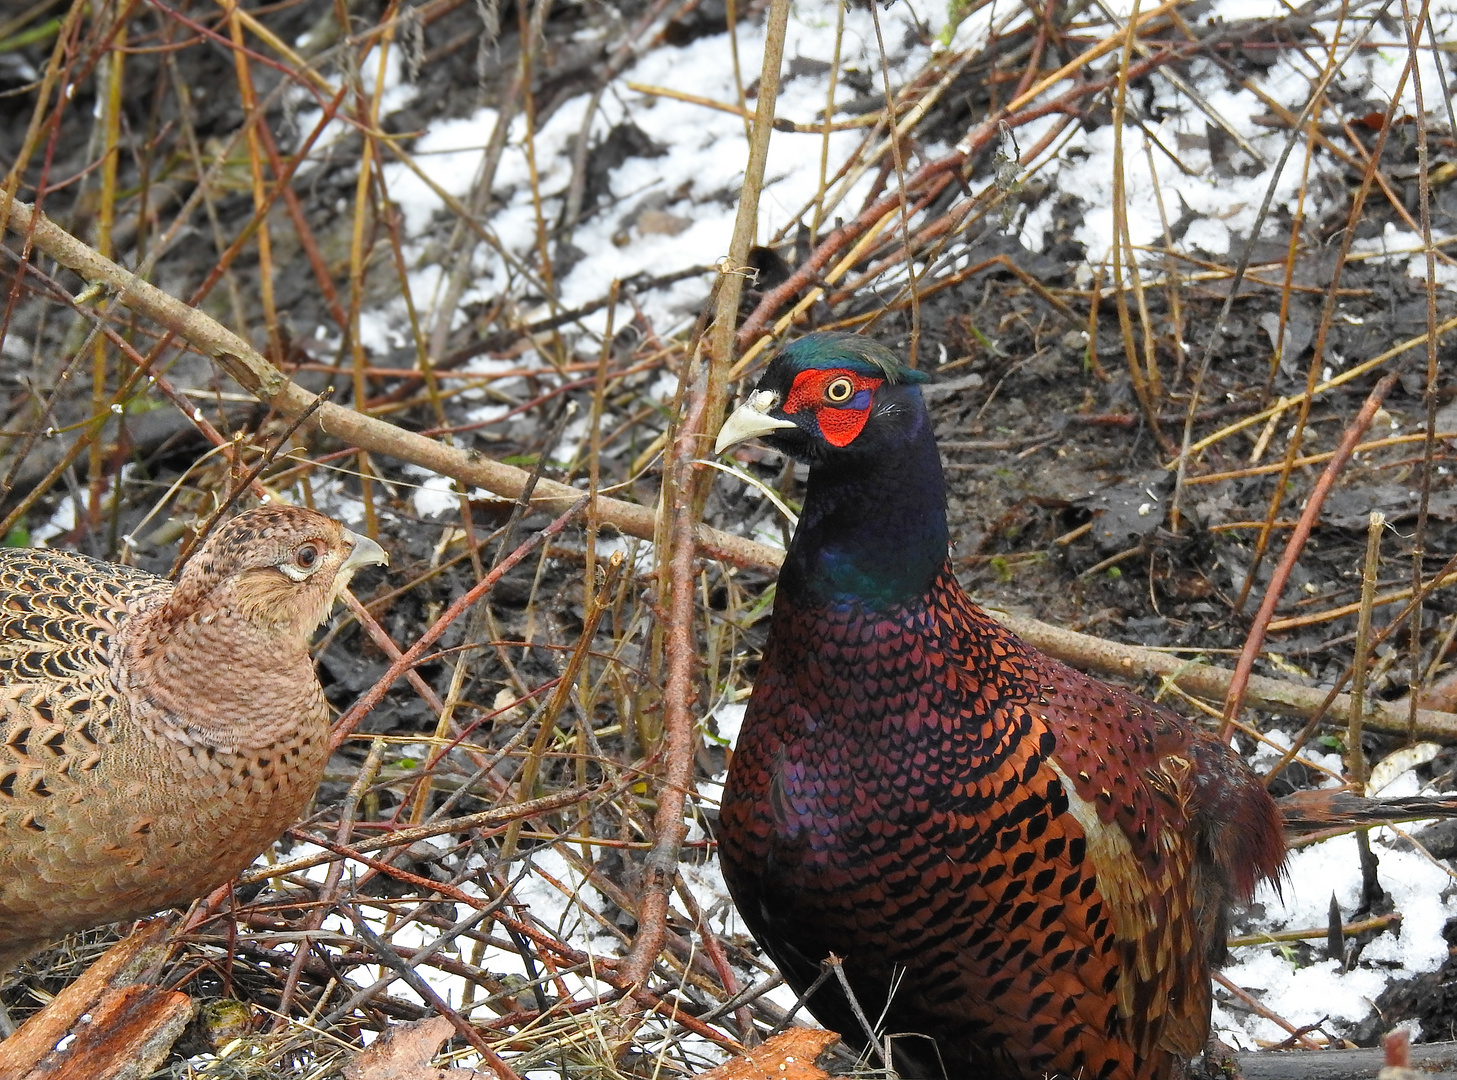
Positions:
{"x": 833, "y": 350}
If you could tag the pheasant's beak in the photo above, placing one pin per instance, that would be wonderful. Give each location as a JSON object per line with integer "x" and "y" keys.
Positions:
{"x": 362, "y": 552}
{"x": 750, "y": 421}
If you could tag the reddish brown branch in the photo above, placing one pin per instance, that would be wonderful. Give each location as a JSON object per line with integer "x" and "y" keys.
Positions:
{"x": 669, "y": 826}
{"x": 1234, "y": 700}
{"x": 411, "y": 656}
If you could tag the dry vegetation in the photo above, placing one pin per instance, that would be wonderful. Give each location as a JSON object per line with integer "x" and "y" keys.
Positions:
{"x": 513, "y": 687}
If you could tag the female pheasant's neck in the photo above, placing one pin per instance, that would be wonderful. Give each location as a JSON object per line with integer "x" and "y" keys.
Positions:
{"x": 247, "y": 675}
{"x": 873, "y": 531}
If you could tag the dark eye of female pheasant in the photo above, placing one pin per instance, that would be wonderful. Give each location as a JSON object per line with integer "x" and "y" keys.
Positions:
{"x": 302, "y": 562}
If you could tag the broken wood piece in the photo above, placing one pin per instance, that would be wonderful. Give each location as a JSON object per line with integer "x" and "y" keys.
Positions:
{"x": 112, "y": 1023}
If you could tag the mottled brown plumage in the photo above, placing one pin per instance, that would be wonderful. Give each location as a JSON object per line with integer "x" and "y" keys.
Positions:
{"x": 155, "y": 738}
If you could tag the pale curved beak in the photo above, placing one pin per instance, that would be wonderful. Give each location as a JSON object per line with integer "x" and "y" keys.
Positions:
{"x": 362, "y": 552}
{"x": 751, "y": 420}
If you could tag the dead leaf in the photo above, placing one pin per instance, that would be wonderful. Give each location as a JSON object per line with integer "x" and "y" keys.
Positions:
{"x": 661, "y": 223}
{"x": 790, "y": 1055}
{"x": 1129, "y": 510}
{"x": 404, "y": 1051}
{"x": 1441, "y": 696}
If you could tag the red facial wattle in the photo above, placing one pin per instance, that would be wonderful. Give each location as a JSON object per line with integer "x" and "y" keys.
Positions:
{"x": 839, "y": 421}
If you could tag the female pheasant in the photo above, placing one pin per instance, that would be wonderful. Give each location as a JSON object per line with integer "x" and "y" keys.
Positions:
{"x": 155, "y": 738}
{"x": 1024, "y": 870}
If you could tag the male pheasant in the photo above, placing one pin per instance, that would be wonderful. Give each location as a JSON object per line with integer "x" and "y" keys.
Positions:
{"x": 155, "y": 738}
{"x": 1024, "y": 870}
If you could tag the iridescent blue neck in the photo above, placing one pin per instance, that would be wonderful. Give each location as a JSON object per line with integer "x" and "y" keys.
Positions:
{"x": 873, "y": 528}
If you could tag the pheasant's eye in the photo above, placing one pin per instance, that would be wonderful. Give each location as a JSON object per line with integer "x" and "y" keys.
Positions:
{"x": 839, "y": 391}
{"x": 303, "y": 561}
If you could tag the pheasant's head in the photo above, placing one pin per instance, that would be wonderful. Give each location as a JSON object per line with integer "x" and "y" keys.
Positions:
{"x": 278, "y": 569}
{"x": 830, "y": 397}
{"x": 224, "y": 662}
{"x": 873, "y": 525}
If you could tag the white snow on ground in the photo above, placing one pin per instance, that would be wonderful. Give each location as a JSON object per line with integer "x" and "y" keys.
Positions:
{"x": 1421, "y": 890}
{"x": 1227, "y": 205}
{"x": 1400, "y": 246}
{"x": 1277, "y": 742}
{"x": 696, "y": 180}
{"x": 435, "y": 494}
{"x": 693, "y": 186}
